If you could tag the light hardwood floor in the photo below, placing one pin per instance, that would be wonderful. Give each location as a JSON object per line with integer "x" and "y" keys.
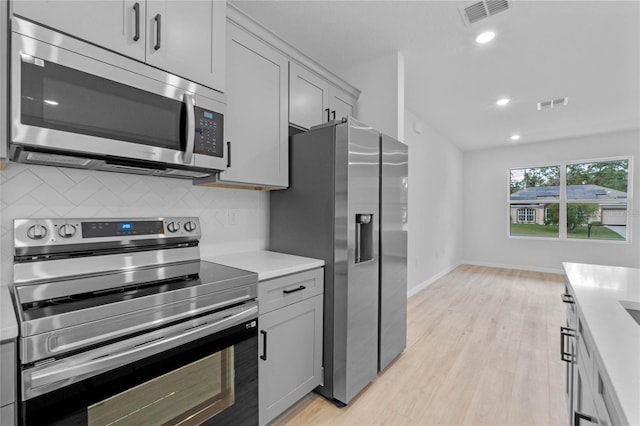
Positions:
{"x": 482, "y": 349}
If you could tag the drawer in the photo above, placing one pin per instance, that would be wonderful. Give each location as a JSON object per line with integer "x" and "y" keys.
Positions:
{"x": 279, "y": 292}
{"x": 8, "y": 372}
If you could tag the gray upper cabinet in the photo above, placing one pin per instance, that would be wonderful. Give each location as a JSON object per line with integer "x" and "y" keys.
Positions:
{"x": 4, "y": 98}
{"x": 341, "y": 103}
{"x": 308, "y": 97}
{"x": 186, "y": 38}
{"x": 107, "y": 23}
{"x": 256, "y": 121}
{"x": 313, "y": 100}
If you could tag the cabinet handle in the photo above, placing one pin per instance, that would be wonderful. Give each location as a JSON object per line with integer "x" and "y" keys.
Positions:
{"x": 294, "y": 290}
{"x": 567, "y": 298}
{"x": 577, "y": 416}
{"x": 228, "y": 154}
{"x": 334, "y": 114}
{"x": 564, "y": 334}
{"x": 136, "y": 10}
{"x": 264, "y": 345}
{"x": 328, "y": 114}
{"x": 158, "y": 20}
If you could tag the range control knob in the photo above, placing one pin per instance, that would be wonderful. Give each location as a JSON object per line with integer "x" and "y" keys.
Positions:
{"x": 36, "y": 232}
{"x": 67, "y": 230}
{"x": 190, "y": 226}
{"x": 173, "y": 227}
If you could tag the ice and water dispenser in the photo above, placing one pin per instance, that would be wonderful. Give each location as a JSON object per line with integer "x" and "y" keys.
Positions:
{"x": 364, "y": 237}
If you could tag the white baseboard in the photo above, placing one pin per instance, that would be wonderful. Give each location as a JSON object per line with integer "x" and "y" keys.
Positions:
{"x": 508, "y": 266}
{"x": 427, "y": 283}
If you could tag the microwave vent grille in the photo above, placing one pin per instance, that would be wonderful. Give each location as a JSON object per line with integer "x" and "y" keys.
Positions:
{"x": 62, "y": 160}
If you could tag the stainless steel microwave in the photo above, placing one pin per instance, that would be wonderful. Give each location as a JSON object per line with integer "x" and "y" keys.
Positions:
{"x": 77, "y": 105}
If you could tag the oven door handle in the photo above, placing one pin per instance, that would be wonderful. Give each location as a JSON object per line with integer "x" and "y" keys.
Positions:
{"x": 76, "y": 368}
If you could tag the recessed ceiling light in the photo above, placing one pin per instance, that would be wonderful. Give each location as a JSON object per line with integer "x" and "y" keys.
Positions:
{"x": 503, "y": 101}
{"x": 50, "y": 102}
{"x": 485, "y": 37}
{"x": 515, "y": 137}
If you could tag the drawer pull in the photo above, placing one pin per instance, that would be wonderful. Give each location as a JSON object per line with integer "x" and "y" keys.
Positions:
{"x": 577, "y": 416}
{"x": 564, "y": 334}
{"x": 567, "y": 298}
{"x": 294, "y": 290}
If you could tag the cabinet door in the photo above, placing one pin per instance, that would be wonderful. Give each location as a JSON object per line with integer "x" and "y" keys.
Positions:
{"x": 290, "y": 363}
{"x": 584, "y": 404}
{"x": 8, "y": 415}
{"x": 341, "y": 104}
{"x": 308, "y": 97}
{"x": 256, "y": 121}
{"x": 187, "y": 38}
{"x": 112, "y": 24}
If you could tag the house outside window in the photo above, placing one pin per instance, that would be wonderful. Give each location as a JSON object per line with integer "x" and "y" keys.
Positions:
{"x": 575, "y": 200}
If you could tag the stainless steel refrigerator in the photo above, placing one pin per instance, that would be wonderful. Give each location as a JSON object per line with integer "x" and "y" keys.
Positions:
{"x": 347, "y": 204}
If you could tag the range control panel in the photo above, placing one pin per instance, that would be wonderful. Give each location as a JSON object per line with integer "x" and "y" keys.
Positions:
{"x": 52, "y": 232}
{"x": 209, "y": 133}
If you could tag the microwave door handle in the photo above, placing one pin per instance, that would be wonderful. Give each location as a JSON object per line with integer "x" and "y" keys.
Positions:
{"x": 190, "y": 134}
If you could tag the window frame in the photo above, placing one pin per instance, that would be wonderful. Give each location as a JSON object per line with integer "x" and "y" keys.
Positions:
{"x": 563, "y": 201}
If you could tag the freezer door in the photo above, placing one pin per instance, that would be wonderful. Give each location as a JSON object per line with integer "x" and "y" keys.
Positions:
{"x": 356, "y": 259}
{"x": 394, "y": 188}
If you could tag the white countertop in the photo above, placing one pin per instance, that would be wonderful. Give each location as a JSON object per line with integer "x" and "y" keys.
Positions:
{"x": 8, "y": 323}
{"x": 267, "y": 264}
{"x": 598, "y": 291}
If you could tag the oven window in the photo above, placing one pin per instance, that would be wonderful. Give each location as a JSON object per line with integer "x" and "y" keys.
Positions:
{"x": 186, "y": 396}
{"x": 61, "y": 98}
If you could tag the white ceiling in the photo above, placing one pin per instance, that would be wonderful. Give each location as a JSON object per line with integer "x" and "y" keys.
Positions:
{"x": 586, "y": 50}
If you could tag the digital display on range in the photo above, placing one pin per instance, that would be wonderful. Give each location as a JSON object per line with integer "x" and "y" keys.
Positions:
{"x": 119, "y": 229}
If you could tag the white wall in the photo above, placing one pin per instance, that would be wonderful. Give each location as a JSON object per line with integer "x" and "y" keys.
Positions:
{"x": 435, "y": 204}
{"x": 28, "y": 191}
{"x": 486, "y": 213}
{"x": 380, "y": 105}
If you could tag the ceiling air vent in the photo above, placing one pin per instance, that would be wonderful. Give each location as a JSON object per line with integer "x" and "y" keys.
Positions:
{"x": 483, "y": 9}
{"x": 553, "y": 103}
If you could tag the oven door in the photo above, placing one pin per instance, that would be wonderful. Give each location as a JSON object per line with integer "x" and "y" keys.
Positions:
{"x": 202, "y": 371}
{"x": 73, "y": 97}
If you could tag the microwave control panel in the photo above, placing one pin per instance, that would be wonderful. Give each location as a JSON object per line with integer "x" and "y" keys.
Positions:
{"x": 209, "y": 133}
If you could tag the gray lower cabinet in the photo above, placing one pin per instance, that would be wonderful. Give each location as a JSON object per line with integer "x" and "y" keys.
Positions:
{"x": 590, "y": 396}
{"x": 8, "y": 382}
{"x": 290, "y": 345}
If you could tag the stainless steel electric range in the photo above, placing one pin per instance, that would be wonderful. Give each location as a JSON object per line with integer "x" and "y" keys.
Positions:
{"x": 121, "y": 323}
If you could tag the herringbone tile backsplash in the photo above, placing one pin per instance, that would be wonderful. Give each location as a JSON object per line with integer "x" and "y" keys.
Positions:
{"x": 231, "y": 220}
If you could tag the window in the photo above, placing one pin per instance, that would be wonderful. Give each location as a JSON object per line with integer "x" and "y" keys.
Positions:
{"x": 597, "y": 194}
{"x": 531, "y": 192}
{"x": 526, "y": 215}
{"x": 574, "y": 200}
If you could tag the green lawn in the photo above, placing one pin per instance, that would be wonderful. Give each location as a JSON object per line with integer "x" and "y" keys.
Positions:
{"x": 530, "y": 229}
{"x": 597, "y": 233}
